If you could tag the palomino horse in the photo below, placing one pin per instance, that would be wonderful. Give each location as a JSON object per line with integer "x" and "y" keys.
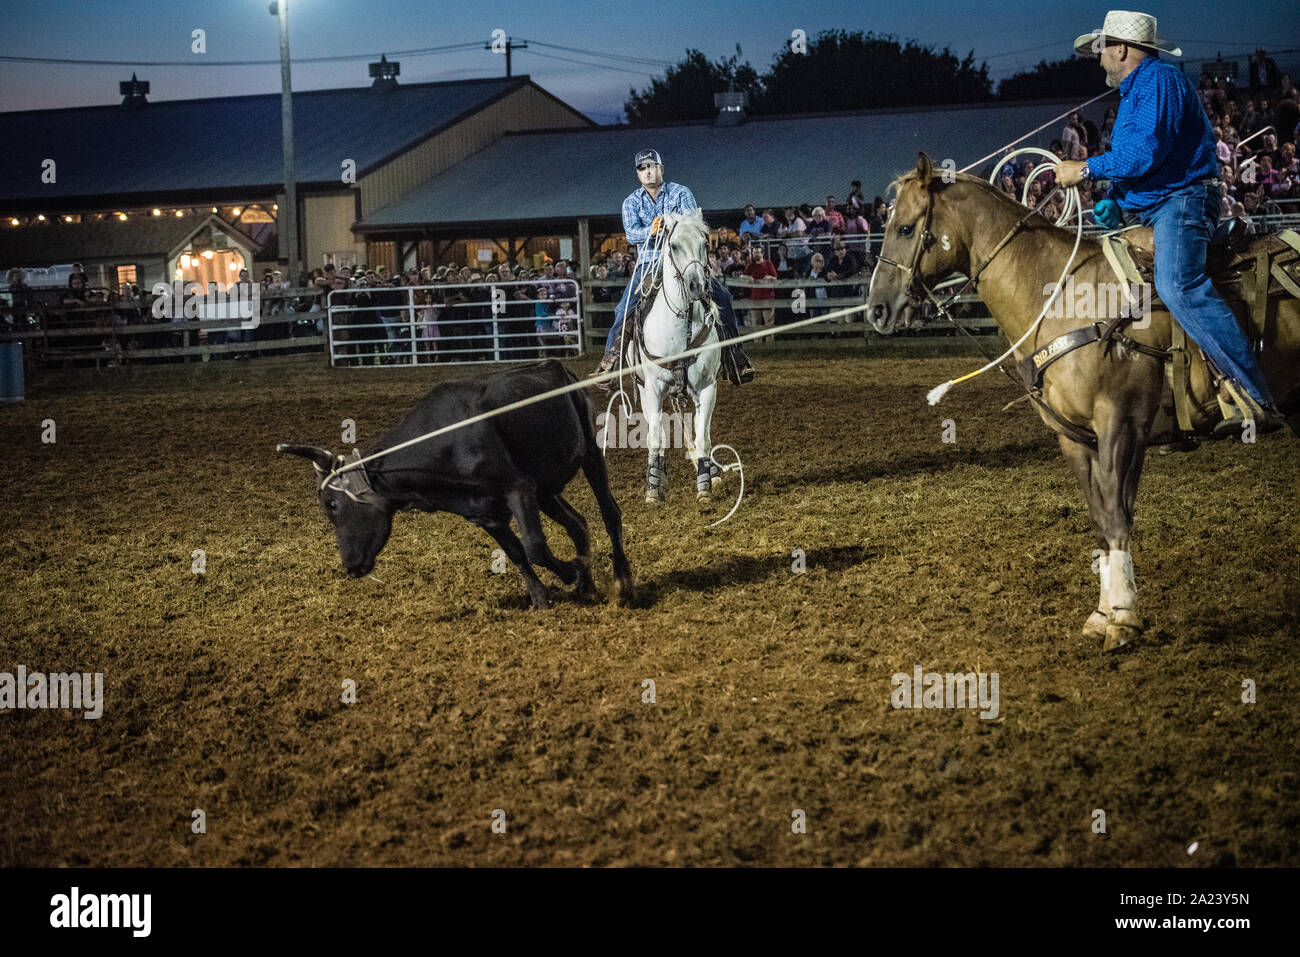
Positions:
{"x": 1112, "y": 398}
{"x": 676, "y": 314}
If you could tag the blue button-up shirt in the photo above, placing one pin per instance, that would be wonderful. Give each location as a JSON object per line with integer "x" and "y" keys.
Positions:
{"x": 640, "y": 211}
{"x": 1162, "y": 139}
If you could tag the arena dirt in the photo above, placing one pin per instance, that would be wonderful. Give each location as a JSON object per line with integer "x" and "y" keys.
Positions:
{"x": 223, "y": 690}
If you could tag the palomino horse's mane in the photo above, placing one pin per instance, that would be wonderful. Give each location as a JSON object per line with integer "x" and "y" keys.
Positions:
{"x": 1038, "y": 222}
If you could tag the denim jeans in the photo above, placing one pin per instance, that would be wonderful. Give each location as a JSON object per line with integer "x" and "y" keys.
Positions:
{"x": 721, "y": 296}
{"x": 1183, "y": 223}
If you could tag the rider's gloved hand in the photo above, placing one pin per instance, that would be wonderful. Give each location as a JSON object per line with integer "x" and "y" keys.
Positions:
{"x": 657, "y": 226}
{"x": 1107, "y": 214}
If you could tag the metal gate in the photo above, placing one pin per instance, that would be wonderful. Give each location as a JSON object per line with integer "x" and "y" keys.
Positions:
{"x": 455, "y": 323}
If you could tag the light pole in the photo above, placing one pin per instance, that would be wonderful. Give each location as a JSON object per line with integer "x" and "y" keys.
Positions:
{"x": 289, "y": 224}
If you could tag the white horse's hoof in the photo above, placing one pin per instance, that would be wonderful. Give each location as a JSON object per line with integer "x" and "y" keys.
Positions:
{"x": 717, "y": 483}
{"x": 654, "y": 497}
{"x": 704, "y": 499}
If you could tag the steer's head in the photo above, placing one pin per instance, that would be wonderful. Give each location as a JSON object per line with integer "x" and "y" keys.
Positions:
{"x": 362, "y": 518}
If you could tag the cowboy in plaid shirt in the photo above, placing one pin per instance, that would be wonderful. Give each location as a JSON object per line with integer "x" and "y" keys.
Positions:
{"x": 643, "y": 215}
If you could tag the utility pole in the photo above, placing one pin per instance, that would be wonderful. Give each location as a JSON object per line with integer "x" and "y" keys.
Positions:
{"x": 289, "y": 215}
{"x": 510, "y": 46}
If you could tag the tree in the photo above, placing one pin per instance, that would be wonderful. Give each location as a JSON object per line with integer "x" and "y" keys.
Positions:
{"x": 686, "y": 91}
{"x": 854, "y": 71}
{"x": 1075, "y": 76}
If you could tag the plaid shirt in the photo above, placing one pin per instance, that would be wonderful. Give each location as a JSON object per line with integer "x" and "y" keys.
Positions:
{"x": 1162, "y": 140}
{"x": 639, "y": 212}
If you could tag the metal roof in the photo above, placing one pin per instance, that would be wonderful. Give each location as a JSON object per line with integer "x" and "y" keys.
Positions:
{"x": 227, "y": 142}
{"x": 560, "y": 175}
{"x": 137, "y": 238}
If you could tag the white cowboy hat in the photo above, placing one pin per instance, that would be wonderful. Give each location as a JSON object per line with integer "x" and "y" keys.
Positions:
{"x": 1139, "y": 29}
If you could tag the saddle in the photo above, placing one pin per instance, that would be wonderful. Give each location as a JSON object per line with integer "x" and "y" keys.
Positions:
{"x": 1255, "y": 272}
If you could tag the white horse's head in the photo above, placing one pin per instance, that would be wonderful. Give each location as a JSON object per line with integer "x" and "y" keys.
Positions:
{"x": 686, "y": 253}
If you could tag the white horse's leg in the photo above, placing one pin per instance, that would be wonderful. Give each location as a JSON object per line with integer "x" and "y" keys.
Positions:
{"x": 652, "y": 397}
{"x": 707, "y": 396}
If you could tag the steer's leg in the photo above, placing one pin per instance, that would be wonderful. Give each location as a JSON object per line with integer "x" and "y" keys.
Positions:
{"x": 562, "y": 512}
{"x": 523, "y": 503}
{"x": 514, "y": 550}
{"x": 593, "y": 466}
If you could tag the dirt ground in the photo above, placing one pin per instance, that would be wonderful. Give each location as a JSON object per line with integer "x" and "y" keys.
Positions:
{"x": 772, "y": 688}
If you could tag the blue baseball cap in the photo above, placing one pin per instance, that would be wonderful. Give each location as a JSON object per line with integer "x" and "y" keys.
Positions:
{"x": 651, "y": 156}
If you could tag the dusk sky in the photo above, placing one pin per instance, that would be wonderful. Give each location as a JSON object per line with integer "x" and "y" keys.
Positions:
{"x": 614, "y": 37}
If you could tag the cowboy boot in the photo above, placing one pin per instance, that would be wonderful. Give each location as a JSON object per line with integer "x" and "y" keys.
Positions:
{"x": 1266, "y": 419}
{"x": 1242, "y": 408}
{"x": 736, "y": 365}
{"x": 607, "y": 364}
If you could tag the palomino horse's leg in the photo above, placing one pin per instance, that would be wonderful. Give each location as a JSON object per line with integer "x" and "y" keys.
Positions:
{"x": 707, "y": 397}
{"x": 1121, "y": 452}
{"x": 656, "y": 476}
{"x": 1082, "y": 462}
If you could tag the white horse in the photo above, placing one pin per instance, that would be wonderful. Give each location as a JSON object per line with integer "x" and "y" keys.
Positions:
{"x": 682, "y": 316}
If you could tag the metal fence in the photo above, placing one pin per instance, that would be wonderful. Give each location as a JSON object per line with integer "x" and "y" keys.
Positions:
{"x": 119, "y": 332}
{"x": 455, "y": 323}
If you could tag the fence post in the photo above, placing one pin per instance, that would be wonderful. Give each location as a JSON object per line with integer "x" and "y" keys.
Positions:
{"x": 496, "y": 324}
{"x": 410, "y": 312}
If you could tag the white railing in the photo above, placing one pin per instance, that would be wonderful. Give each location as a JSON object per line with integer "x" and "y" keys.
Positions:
{"x": 465, "y": 323}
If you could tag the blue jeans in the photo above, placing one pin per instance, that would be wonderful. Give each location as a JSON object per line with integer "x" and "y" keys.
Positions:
{"x": 721, "y": 296}
{"x": 1183, "y": 223}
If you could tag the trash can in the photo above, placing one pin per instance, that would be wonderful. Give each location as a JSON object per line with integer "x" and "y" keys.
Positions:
{"x": 11, "y": 372}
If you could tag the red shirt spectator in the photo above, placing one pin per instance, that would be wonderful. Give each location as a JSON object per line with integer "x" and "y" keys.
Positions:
{"x": 758, "y": 269}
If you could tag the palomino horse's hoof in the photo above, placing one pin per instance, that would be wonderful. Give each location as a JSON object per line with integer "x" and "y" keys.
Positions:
{"x": 1124, "y": 628}
{"x": 1120, "y": 636}
{"x": 1095, "y": 626}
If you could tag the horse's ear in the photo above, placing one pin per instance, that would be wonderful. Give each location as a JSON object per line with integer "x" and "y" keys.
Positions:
{"x": 924, "y": 168}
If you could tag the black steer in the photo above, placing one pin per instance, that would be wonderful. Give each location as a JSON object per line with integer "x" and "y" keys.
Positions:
{"x": 506, "y": 466}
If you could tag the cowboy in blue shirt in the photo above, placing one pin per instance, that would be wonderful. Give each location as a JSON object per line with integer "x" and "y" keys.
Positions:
{"x": 643, "y": 217}
{"x": 1163, "y": 171}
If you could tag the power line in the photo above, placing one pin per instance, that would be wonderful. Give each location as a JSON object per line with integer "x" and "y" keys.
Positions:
{"x": 598, "y": 66}
{"x": 424, "y": 51}
{"x": 612, "y": 56}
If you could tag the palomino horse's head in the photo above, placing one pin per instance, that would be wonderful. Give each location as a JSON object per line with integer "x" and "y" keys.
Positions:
{"x": 686, "y": 253}
{"x": 922, "y": 246}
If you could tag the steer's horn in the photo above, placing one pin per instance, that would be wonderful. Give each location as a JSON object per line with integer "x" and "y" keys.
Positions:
{"x": 321, "y": 459}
